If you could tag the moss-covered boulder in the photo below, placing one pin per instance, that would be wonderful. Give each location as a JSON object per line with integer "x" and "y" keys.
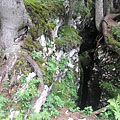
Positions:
{"x": 68, "y": 38}
{"x": 43, "y": 16}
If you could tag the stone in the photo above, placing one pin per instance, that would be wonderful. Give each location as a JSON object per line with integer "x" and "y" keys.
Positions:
{"x": 13, "y": 114}
{"x": 42, "y": 40}
{"x": 55, "y": 31}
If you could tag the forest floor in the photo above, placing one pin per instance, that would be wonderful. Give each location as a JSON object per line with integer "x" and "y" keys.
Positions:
{"x": 65, "y": 114}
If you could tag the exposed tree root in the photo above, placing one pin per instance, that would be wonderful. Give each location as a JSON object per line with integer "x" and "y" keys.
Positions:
{"x": 111, "y": 42}
{"x": 43, "y": 89}
{"x": 108, "y": 20}
{"x": 36, "y": 68}
{"x": 9, "y": 63}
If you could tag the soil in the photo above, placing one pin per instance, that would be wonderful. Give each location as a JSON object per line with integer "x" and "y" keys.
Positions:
{"x": 65, "y": 114}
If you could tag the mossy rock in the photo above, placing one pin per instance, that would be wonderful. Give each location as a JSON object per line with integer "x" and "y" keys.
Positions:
{"x": 68, "y": 37}
{"x": 31, "y": 45}
{"x": 112, "y": 39}
{"x": 42, "y": 16}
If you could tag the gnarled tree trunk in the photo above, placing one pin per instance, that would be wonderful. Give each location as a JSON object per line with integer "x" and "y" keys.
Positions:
{"x": 13, "y": 18}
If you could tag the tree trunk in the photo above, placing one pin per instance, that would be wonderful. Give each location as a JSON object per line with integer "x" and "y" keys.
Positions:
{"x": 108, "y": 4}
{"x": 70, "y": 13}
{"x": 13, "y": 17}
{"x": 99, "y": 13}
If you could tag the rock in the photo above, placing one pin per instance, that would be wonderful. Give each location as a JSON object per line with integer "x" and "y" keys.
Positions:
{"x": 72, "y": 52}
{"x": 13, "y": 114}
{"x": 59, "y": 54}
{"x": 42, "y": 40}
{"x": 41, "y": 100}
{"x": 58, "y": 24}
{"x": 30, "y": 76}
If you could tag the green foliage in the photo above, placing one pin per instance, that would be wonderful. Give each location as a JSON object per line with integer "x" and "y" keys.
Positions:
{"x": 114, "y": 38}
{"x": 30, "y": 1}
{"x": 68, "y": 36}
{"x": 35, "y": 50}
{"x": 60, "y": 90}
{"x": 52, "y": 103}
{"x": 63, "y": 93}
{"x": 30, "y": 91}
{"x": 36, "y": 54}
{"x": 43, "y": 1}
{"x": 111, "y": 90}
{"x": 116, "y": 31}
{"x": 112, "y": 41}
{"x": 115, "y": 107}
{"x": 52, "y": 66}
{"x": 87, "y": 110}
{"x": 84, "y": 11}
{"x": 48, "y": 44}
{"x": 113, "y": 112}
{"x": 62, "y": 63}
{"x": 3, "y": 102}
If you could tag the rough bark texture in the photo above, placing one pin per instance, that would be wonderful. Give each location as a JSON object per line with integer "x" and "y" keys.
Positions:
{"x": 98, "y": 13}
{"x": 13, "y": 17}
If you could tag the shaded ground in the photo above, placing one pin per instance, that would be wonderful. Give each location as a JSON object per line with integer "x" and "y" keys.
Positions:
{"x": 65, "y": 114}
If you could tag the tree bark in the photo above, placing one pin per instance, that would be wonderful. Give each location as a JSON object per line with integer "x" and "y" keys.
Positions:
{"x": 99, "y": 14}
{"x": 13, "y": 17}
{"x": 70, "y": 13}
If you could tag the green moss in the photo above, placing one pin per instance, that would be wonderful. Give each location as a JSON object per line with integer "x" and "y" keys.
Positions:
{"x": 40, "y": 61}
{"x": 111, "y": 66}
{"x": 60, "y": 90}
{"x": 68, "y": 36}
{"x": 41, "y": 14}
{"x": 31, "y": 45}
{"x": 114, "y": 45}
{"x": 112, "y": 41}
